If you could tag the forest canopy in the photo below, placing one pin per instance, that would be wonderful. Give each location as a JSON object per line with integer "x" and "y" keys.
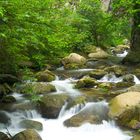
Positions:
{"x": 40, "y": 31}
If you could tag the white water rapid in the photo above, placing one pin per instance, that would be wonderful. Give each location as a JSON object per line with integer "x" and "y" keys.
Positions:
{"x": 53, "y": 129}
{"x": 122, "y": 54}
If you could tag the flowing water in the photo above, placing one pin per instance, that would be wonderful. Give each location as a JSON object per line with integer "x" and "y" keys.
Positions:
{"x": 54, "y": 129}
{"x": 122, "y": 54}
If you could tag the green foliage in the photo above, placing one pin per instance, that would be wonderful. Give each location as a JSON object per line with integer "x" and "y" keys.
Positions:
{"x": 36, "y": 30}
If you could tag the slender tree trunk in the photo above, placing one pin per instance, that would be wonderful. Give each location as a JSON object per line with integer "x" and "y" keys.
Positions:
{"x": 135, "y": 35}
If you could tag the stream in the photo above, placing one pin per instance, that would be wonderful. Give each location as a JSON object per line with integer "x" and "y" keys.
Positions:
{"x": 54, "y": 129}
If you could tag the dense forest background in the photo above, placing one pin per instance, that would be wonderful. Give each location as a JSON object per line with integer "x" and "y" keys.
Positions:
{"x": 40, "y": 32}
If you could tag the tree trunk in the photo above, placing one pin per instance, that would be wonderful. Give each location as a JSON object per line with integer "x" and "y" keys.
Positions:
{"x": 133, "y": 56}
{"x": 135, "y": 35}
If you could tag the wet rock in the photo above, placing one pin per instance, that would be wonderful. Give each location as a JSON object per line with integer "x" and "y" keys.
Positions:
{"x": 50, "y": 105}
{"x": 31, "y": 124}
{"x": 99, "y": 54}
{"x": 86, "y": 82}
{"x": 4, "y": 118}
{"x": 23, "y": 106}
{"x": 128, "y": 78}
{"x": 8, "y": 78}
{"x": 96, "y": 64}
{"x": 8, "y": 99}
{"x": 45, "y": 76}
{"x": 73, "y": 66}
{"x": 93, "y": 113}
{"x": 121, "y": 85}
{"x": 125, "y": 109}
{"x": 79, "y": 100}
{"x": 28, "y": 134}
{"x": 74, "y": 58}
{"x": 117, "y": 70}
{"x": 106, "y": 86}
{"x": 3, "y": 136}
{"x": 97, "y": 74}
{"x": 38, "y": 88}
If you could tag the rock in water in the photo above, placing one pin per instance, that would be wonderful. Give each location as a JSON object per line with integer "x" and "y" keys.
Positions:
{"x": 125, "y": 108}
{"x": 28, "y": 134}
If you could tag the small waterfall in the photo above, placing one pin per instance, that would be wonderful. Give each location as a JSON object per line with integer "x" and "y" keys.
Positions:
{"x": 122, "y": 54}
{"x": 136, "y": 80}
{"x": 110, "y": 78}
{"x": 66, "y": 86}
{"x": 54, "y": 129}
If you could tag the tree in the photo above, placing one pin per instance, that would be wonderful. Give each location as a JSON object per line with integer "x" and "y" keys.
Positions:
{"x": 134, "y": 54}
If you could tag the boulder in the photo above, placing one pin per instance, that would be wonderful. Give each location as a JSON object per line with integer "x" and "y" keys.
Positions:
{"x": 38, "y": 88}
{"x": 124, "y": 108}
{"x": 118, "y": 70}
{"x": 3, "y": 136}
{"x": 28, "y": 134}
{"x": 97, "y": 74}
{"x": 86, "y": 82}
{"x": 128, "y": 78}
{"x": 73, "y": 66}
{"x": 8, "y": 78}
{"x": 99, "y": 54}
{"x": 50, "y": 105}
{"x": 8, "y": 99}
{"x": 45, "y": 76}
{"x": 90, "y": 49}
{"x": 4, "y": 118}
{"x": 23, "y": 106}
{"x": 74, "y": 58}
{"x": 79, "y": 100}
{"x": 31, "y": 124}
{"x": 93, "y": 113}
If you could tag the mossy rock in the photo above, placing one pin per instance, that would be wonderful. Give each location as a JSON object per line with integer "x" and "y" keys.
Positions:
{"x": 45, "y": 76}
{"x": 73, "y": 66}
{"x": 124, "y": 84}
{"x": 8, "y": 99}
{"x": 50, "y": 105}
{"x": 31, "y": 124}
{"x": 97, "y": 74}
{"x": 106, "y": 86}
{"x": 90, "y": 49}
{"x": 135, "y": 88}
{"x": 28, "y": 134}
{"x": 86, "y": 82}
{"x": 37, "y": 88}
{"x": 128, "y": 78}
{"x": 125, "y": 109}
{"x": 5, "y": 89}
{"x": 76, "y": 101}
{"x": 117, "y": 70}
